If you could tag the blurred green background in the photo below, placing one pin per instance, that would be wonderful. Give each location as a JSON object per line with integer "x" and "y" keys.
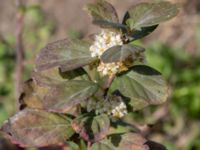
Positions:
{"x": 173, "y": 49}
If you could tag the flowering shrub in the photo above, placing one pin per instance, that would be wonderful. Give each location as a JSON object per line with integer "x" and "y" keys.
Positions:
{"x": 80, "y": 89}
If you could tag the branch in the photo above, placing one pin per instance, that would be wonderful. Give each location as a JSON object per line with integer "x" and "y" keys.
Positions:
{"x": 88, "y": 145}
{"x": 108, "y": 84}
{"x": 109, "y": 81}
{"x": 19, "y": 50}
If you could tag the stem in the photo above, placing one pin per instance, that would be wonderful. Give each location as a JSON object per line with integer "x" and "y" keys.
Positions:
{"x": 108, "y": 84}
{"x": 109, "y": 81}
{"x": 88, "y": 145}
{"x": 19, "y": 51}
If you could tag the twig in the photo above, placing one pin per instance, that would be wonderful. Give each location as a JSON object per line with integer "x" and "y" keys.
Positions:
{"x": 160, "y": 113}
{"x": 109, "y": 81}
{"x": 188, "y": 136}
{"x": 19, "y": 50}
{"x": 88, "y": 145}
{"x": 144, "y": 129}
{"x": 108, "y": 84}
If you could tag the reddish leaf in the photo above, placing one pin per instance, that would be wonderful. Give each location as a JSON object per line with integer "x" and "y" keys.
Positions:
{"x": 133, "y": 141}
{"x": 35, "y": 128}
{"x": 104, "y": 15}
{"x": 126, "y": 141}
{"x": 6, "y": 145}
{"x": 66, "y": 54}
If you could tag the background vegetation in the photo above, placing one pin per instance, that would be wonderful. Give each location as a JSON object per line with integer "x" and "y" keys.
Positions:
{"x": 174, "y": 50}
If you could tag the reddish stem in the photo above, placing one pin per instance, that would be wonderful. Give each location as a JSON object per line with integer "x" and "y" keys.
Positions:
{"x": 19, "y": 51}
{"x": 88, "y": 145}
{"x": 109, "y": 81}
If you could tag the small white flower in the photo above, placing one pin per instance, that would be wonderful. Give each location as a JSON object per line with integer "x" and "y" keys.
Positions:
{"x": 119, "y": 111}
{"x": 103, "y": 41}
{"x": 113, "y": 111}
{"x": 111, "y": 68}
{"x": 116, "y": 107}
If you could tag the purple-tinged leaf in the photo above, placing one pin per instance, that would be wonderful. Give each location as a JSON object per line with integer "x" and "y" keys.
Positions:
{"x": 6, "y": 144}
{"x": 104, "y": 15}
{"x": 133, "y": 141}
{"x": 155, "y": 146}
{"x": 36, "y": 128}
{"x": 124, "y": 141}
{"x": 66, "y": 54}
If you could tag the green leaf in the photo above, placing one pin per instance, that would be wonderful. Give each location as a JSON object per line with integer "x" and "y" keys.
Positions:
{"x": 122, "y": 53}
{"x": 150, "y": 14}
{"x": 138, "y": 34}
{"x": 61, "y": 97}
{"x": 65, "y": 96}
{"x": 104, "y": 15}
{"x": 35, "y": 128}
{"x": 3, "y": 113}
{"x": 103, "y": 145}
{"x": 128, "y": 141}
{"x": 48, "y": 77}
{"x": 153, "y": 145}
{"x": 73, "y": 146}
{"x": 143, "y": 86}
{"x": 83, "y": 145}
{"x": 122, "y": 126}
{"x": 92, "y": 128}
{"x": 55, "y": 76}
{"x": 66, "y": 54}
{"x": 32, "y": 95}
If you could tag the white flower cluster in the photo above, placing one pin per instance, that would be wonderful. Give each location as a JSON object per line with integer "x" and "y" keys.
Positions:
{"x": 103, "y": 41}
{"x": 115, "y": 107}
{"x": 111, "y": 68}
{"x": 119, "y": 111}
